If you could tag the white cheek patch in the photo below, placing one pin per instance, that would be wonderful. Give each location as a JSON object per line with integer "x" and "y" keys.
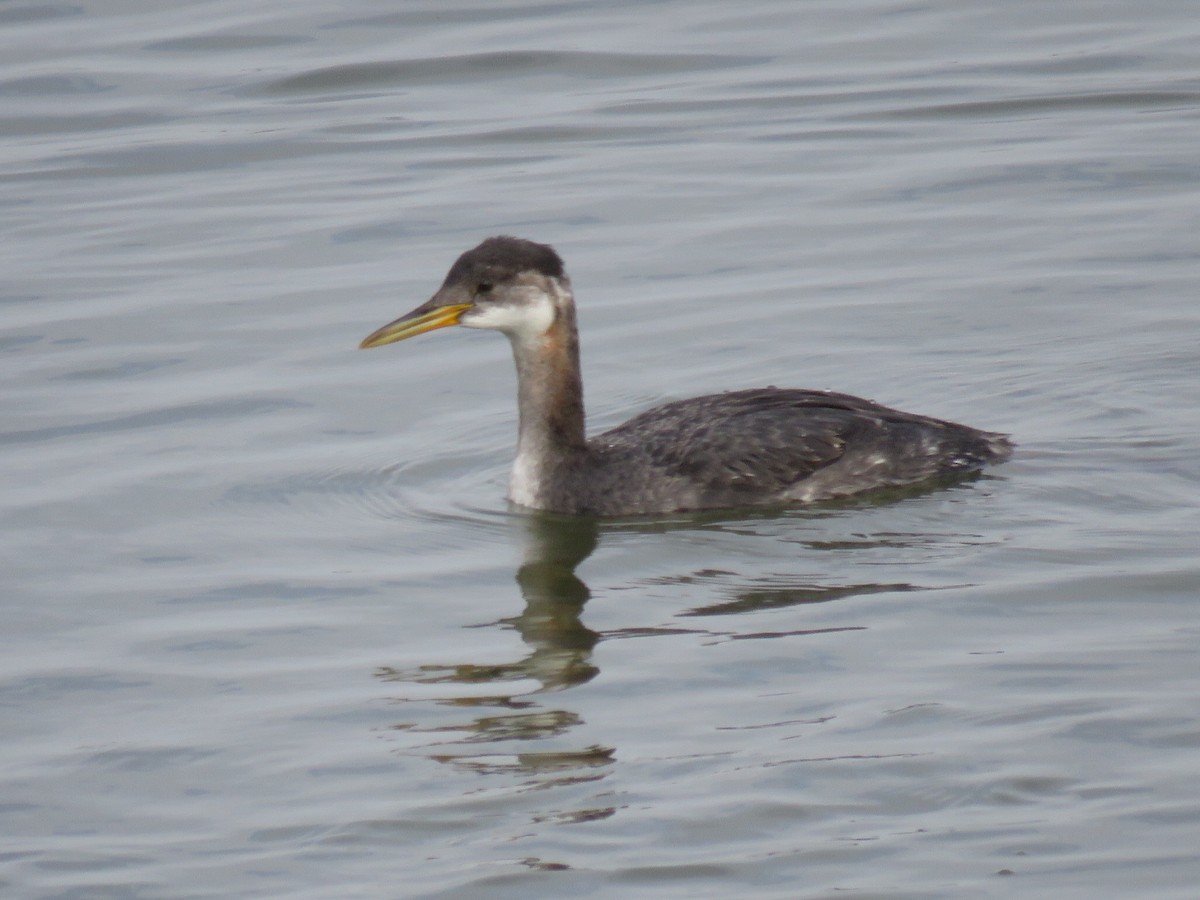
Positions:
{"x": 529, "y": 319}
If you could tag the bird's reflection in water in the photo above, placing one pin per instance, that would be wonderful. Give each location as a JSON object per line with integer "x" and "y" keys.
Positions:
{"x": 559, "y": 656}
{"x": 513, "y": 697}
{"x": 554, "y": 598}
{"x": 560, "y": 644}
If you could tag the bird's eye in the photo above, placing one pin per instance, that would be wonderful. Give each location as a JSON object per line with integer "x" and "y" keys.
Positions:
{"x": 484, "y": 287}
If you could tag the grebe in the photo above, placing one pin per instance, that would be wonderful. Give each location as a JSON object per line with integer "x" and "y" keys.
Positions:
{"x": 767, "y": 446}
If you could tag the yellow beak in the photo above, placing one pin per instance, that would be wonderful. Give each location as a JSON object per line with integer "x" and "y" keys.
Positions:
{"x": 419, "y": 321}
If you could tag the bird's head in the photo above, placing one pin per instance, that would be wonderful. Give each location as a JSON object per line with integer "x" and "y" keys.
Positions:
{"x": 506, "y": 284}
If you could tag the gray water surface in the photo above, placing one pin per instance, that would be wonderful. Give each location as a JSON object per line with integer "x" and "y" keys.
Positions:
{"x": 270, "y": 628}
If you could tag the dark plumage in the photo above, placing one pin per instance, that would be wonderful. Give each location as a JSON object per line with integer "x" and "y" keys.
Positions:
{"x": 498, "y": 258}
{"x": 743, "y": 448}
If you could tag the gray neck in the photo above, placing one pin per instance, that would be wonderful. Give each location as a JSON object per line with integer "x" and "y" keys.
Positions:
{"x": 550, "y": 438}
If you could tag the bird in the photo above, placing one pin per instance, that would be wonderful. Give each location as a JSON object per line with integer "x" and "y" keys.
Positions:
{"x": 759, "y": 447}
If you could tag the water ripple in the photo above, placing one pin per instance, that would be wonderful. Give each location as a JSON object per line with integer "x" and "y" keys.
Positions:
{"x": 509, "y": 64}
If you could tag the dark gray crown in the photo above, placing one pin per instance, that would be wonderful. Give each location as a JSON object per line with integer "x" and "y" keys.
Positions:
{"x": 503, "y": 257}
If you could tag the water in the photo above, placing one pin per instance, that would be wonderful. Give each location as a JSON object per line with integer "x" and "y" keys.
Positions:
{"x": 269, "y": 627}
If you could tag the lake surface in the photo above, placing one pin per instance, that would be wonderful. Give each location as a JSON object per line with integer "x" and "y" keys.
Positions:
{"x": 270, "y": 628}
